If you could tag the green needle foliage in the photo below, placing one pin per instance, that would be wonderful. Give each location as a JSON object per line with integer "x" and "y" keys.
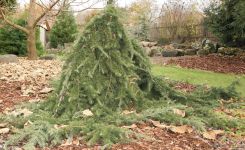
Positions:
{"x": 64, "y": 29}
{"x": 106, "y": 69}
{"x": 227, "y": 21}
{"x": 7, "y": 3}
{"x": 107, "y": 73}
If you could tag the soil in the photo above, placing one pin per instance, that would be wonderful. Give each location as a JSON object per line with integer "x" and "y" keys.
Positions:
{"x": 215, "y": 63}
{"x": 11, "y": 95}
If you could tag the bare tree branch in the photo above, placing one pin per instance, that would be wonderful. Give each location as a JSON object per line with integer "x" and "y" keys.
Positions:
{"x": 45, "y": 12}
{"x": 13, "y": 24}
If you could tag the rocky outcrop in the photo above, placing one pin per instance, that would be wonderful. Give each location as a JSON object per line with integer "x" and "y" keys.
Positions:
{"x": 191, "y": 52}
{"x": 9, "y": 58}
{"x": 151, "y": 48}
{"x": 172, "y": 53}
{"x": 230, "y": 51}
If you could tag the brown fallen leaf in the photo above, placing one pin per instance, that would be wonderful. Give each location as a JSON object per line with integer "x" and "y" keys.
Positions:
{"x": 133, "y": 126}
{"x": 181, "y": 129}
{"x": 76, "y": 141}
{"x": 3, "y": 125}
{"x": 179, "y": 112}
{"x": 87, "y": 113}
{"x": 127, "y": 112}
{"x": 46, "y": 90}
{"x": 159, "y": 125}
{"x": 4, "y": 131}
{"x": 28, "y": 123}
{"x": 60, "y": 126}
{"x": 212, "y": 135}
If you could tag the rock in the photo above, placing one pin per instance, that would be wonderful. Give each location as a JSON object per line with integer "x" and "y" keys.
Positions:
{"x": 196, "y": 46}
{"x": 1, "y": 101}
{"x": 191, "y": 52}
{"x": 154, "y": 51}
{"x": 158, "y": 54}
{"x": 169, "y": 53}
{"x": 147, "y": 50}
{"x": 3, "y": 125}
{"x": 151, "y": 44}
{"x": 230, "y": 51}
{"x": 148, "y": 44}
{"x": 180, "y": 46}
{"x": 4, "y": 131}
{"x": 48, "y": 57}
{"x": 172, "y": 53}
{"x": 144, "y": 43}
{"x": 208, "y": 45}
{"x": 203, "y": 52}
{"x": 9, "y": 58}
{"x": 181, "y": 52}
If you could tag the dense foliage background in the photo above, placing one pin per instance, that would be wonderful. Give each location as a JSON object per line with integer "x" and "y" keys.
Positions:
{"x": 7, "y": 3}
{"x": 13, "y": 41}
{"x": 227, "y": 21}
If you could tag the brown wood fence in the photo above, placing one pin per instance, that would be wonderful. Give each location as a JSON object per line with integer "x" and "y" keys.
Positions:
{"x": 185, "y": 33}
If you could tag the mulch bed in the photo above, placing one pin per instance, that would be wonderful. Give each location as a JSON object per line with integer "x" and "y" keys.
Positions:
{"x": 11, "y": 94}
{"x": 215, "y": 63}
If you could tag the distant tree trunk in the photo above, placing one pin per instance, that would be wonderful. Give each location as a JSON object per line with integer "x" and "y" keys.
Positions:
{"x": 31, "y": 45}
{"x": 31, "y": 36}
{"x": 34, "y": 18}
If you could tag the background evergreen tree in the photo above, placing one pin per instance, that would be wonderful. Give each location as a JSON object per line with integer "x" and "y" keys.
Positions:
{"x": 144, "y": 28}
{"x": 226, "y": 20}
{"x": 64, "y": 29}
{"x": 13, "y": 41}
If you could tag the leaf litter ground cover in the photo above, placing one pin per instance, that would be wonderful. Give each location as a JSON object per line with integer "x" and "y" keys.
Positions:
{"x": 26, "y": 81}
{"x": 215, "y": 63}
{"x": 159, "y": 138}
{"x": 106, "y": 91}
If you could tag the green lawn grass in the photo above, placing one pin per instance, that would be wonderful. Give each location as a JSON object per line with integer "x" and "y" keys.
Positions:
{"x": 200, "y": 77}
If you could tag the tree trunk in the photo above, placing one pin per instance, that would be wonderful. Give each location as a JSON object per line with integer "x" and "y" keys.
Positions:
{"x": 31, "y": 45}
{"x": 31, "y": 37}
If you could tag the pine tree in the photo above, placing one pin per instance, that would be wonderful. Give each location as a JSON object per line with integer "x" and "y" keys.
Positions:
{"x": 64, "y": 29}
{"x": 144, "y": 28}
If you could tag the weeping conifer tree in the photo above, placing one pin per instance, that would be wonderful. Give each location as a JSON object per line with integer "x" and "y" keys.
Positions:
{"x": 106, "y": 69}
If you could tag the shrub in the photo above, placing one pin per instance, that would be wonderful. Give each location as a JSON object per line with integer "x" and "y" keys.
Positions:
{"x": 13, "y": 41}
